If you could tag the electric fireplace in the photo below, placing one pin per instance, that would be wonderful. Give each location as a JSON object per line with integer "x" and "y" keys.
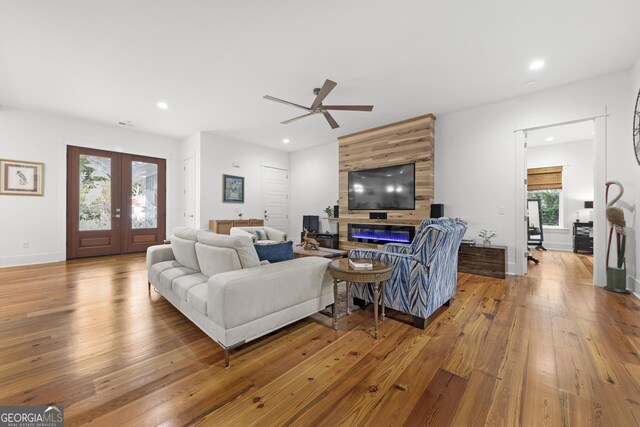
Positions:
{"x": 380, "y": 234}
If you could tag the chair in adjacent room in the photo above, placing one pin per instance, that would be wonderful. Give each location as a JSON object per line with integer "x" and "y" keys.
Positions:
{"x": 424, "y": 276}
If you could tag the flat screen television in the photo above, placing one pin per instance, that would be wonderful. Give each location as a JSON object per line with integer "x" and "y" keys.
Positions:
{"x": 388, "y": 188}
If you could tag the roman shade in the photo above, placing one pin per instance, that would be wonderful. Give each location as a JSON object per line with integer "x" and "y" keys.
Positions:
{"x": 549, "y": 178}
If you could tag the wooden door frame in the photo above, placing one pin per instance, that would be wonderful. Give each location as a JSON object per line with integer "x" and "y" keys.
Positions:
{"x": 123, "y": 237}
{"x": 138, "y": 240}
{"x": 73, "y": 212}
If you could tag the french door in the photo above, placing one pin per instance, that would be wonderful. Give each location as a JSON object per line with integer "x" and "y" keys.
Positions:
{"x": 115, "y": 202}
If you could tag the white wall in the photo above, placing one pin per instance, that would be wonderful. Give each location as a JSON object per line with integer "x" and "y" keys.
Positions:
{"x": 218, "y": 155}
{"x": 314, "y": 185}
{"x": 475, "y": 170}
{"x": 635, "y": 87}
{"x": 576, "y": 158}
{"x": 41, "y": 221}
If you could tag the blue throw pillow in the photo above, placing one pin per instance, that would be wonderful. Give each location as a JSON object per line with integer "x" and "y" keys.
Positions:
{"x": 275, "y": 252}
{"x": 261, "y": 234}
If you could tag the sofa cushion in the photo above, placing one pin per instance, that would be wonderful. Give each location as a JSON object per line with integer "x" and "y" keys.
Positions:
{"x": 265, "y": 242}
{"x": 186, "y": 233}
{"x": 168, "y": 276}
{"x": 197, "y": 298}
{"x": 243, "y": 246}
{"x": 275, "y": 252}
{"x": 215, "y": 259}
{"x": 261, "y": 235}
{"x": 159, "y": 267}
{"x": 181, "y": 285}
{"x": 183, "y": 245}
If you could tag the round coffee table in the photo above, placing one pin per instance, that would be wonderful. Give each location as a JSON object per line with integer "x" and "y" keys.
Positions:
{"x": 378, "y": 274}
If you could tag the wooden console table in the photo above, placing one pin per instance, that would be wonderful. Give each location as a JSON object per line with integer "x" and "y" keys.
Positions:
{"x": 483, "y": 260}
{"x": 223, "y": 226}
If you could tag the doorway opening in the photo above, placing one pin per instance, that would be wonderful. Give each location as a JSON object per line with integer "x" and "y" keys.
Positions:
{"x": 116, "y": 202}
{"x": 560, "y": 170}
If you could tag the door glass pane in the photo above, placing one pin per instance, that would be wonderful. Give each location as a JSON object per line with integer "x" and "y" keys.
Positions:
{"x": 144, "y": 195}
{"x": 95, "y": 193}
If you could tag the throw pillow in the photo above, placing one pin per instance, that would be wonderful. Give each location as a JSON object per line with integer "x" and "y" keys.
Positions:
{"x": 275, "y": 252}
{"x": 261, "y": 234}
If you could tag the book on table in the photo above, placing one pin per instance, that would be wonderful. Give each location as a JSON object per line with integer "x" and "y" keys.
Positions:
{"x": 361, "y": 264}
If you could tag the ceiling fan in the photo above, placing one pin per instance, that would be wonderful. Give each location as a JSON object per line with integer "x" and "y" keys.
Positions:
{"x": 318, "y": 108}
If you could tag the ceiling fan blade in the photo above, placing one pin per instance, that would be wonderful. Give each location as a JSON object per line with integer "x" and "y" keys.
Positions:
{"x": 297, "y": 118}
{"x": 326, "y": 88}
{"x": 330, "y": 119}
{"x": 282, "y": 101}
{"x": 348, "y": 107}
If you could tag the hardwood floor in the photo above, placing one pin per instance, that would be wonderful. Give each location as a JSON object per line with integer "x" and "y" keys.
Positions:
{"x": 562, "y": 265}
{"x": 544, "y": 350}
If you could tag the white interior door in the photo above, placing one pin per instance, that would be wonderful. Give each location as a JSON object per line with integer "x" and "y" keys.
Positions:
{"x": 189, "y": 192}
{"x": 275, "y": 198}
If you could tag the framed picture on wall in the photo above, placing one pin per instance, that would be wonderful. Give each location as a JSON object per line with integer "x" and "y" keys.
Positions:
{"x": 21, "y": 178}
{"x": 232, "y": 189}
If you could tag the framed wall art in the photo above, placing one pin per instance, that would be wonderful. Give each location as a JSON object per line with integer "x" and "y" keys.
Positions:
{"x": 21, "y": 178}
{"x": 232, "y": 189}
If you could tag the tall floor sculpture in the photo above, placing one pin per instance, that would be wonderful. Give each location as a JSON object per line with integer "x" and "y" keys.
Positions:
{"x": 616, "y": 276}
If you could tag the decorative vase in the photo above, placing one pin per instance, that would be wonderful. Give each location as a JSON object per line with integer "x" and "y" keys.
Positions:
{"x": 486, "y": 242}
{"x": 617, "y": 280}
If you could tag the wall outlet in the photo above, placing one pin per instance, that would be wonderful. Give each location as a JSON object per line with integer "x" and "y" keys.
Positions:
{"x": 501, "y": 211}
{"x": 25, "y": 245}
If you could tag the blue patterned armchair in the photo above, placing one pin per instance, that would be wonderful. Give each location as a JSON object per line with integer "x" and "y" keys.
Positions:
{"x": 425, "y": 272}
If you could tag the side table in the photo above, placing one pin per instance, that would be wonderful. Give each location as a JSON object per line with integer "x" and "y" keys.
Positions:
{"x": 380, "y": 272}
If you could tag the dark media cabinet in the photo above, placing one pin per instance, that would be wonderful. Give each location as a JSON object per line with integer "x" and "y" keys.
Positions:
{"x": 583, "y": 237}
{"x": 326, "y": 240}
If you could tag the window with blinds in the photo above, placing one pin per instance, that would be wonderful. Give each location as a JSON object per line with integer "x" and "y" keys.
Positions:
{"x": 545, "y": 184}
{"x": 549, "y": 178}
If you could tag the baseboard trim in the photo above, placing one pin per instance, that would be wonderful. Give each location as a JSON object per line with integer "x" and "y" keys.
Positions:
{"x": 41, "y": 258}
{"x": 636, "y": 287}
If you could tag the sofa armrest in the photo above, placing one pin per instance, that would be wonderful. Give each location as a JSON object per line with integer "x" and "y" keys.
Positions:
{"x": 238, "y": 297}
{"x": 237, "y": 231}
{"x": 396, "y": 248}
{"x": 158, "y": 253}
{"x": 277, "y": 235}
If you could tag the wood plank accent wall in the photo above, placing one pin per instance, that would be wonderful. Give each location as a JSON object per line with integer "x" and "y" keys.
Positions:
{"x": 408, "y": 141}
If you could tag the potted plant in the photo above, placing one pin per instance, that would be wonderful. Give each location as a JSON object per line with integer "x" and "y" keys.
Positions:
{"x": 329, "y": 211}
{"x": 486, "y": 236}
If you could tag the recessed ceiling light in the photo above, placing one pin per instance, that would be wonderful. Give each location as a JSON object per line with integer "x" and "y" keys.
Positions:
{"x": 549, "y": 139}
{"x": 162, "y": 105}
{"x": 536, "y": 65}
{"x": 286, "y": 141}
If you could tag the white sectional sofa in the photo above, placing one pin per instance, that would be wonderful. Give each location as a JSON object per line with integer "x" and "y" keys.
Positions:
{"x": 218, "y": 283}
{"x": 269, "y": 234}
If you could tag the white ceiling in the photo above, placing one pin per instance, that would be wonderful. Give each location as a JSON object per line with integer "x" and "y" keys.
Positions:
{"x": 212, "y": 61}
{"x": 582, "y": 131}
